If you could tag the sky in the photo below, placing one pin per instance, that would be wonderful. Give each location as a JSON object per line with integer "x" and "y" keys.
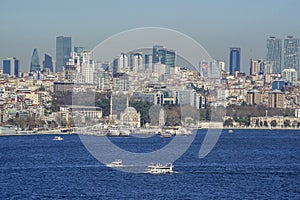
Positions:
{"x": 215, "y": 24}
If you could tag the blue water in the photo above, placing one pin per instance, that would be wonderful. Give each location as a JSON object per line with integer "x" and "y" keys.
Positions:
{"x": 243, "y": 165}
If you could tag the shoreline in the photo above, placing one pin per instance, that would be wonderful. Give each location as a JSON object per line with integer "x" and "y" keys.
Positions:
{"x": 57, "y": 132}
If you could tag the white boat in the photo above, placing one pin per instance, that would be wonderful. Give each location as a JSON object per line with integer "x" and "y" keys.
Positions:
{"x": 58, "y": 138}
{"x": 115, "y": 163}
{"x": 230, "y": 131}
{"x": 112, "y": 130}
{"x": 8, "y": 129}
{"x": 157, "y": 168}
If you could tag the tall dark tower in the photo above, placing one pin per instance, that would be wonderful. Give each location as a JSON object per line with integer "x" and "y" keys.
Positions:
{"x": 164, "y": 56}
{"x": 274, "y": 49}
{"x": 47, "y": 63}
{"x": 291, "y": 53}
{"x": 235, "y": 60}
{"x": 63, "y": 51}
{"x": 35, "y": 62}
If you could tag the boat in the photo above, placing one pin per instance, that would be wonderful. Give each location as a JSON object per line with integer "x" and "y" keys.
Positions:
{"x": 58, "y": 138}
{"x": 8, "y": 129}
{"x": 157, "y": 168}
{"x": 230, "y": 131}
{"x": 115, "y": 163}
{"x": 112, "y": 130}
{"x": 166, "y": 135}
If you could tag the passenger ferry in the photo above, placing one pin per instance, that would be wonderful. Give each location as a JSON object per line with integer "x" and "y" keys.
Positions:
{"x": 58, "y": 138}
{"x": 115, "y": 163}
{"x": 157, "y": 168}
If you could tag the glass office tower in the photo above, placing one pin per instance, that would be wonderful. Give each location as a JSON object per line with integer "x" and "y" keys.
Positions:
{"x": 35, "y": 62}
{"x": 48, "y": 63}
{"x": 235, "y": 60}
{"x": 291, "y": 53}
{"x": 63, "y": 51}
{"x": 11, "y": 66}
{"x": 274, "y": 52}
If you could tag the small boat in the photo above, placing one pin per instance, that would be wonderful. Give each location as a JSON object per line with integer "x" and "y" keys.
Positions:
{"x": 166, "y": 135}
{"x": 230, "y": 131}
{"x": 115, "y": 163}
{"x": 58, "y": 138}
{"x": 157, "y": 168}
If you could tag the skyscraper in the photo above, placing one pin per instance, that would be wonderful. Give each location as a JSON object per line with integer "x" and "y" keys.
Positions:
{"x": 11, "y": 66}
{"x": 291, "y": 53}
{"x": 47, "y": 63}
{"x": 63, "y": 51}
{"x": 122, "y": 62}
{"x": 158, "y": 54}
{"x": 235, "y": 60}
{"x": 163, "y": 56}
{"x": 87, "y": 66}
{"x": 35, "y": 62}
{"x": 274, "y": 49}
{"x": 169, "y": 60}
{"x": 136, "y": 62}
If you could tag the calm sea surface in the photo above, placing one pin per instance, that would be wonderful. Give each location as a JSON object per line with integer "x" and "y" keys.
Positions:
{"x": 246, "y": 164}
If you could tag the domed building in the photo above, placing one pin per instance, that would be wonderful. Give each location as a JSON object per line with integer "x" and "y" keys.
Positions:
{"x": 130, "y": 117}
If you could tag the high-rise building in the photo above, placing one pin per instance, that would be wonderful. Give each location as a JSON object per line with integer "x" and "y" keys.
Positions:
{"x": 274, "y": 49}
{"x": 122, "y": 62}
{"x": 221, "y": 65}
{"x": 158, "y": 54}
{"x": 87, "y": 66}
{"x": 11, "y": 66}
{"x": 136, "y": 62}
{"x": 170, "y": 60}
{"x": 235, "y": 60}
{"x": 163, "y": 56}
{"x": 35, "y": 62}
{"x": 291, "y": 53}
{"x": 148, "y": 61}
{"x": 63, "y": 51}
{"x": 290, "y": 75}
{"x": 71, "y": 68}
{"x": 254, "y": 67}
{"x": 48, "y": 63}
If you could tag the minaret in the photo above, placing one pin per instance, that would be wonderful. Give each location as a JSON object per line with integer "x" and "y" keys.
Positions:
{"x": 127, "y": 101}
{"x": 110, "y": 110}
{"x": 161, "y": 120}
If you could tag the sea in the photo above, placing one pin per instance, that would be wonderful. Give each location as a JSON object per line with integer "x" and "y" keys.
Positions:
{"x": 244, "y": 164}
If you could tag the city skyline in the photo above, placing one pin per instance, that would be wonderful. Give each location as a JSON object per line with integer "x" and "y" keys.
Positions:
{"x": 33, "y": 24}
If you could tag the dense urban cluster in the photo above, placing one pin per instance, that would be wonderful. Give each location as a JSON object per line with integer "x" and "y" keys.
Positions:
{"x": 134, "y": 85}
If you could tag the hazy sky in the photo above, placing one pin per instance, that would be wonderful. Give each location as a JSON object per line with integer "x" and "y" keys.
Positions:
{"x": 216, "y": 25}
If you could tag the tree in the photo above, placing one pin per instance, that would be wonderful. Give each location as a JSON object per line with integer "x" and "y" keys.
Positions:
{"x": 173, "y": 118}
{"x": 105, "y": 105}
{"x": 228, "y": 122}
{"x": 142, "y": 107}
{"x": 266, "y": 124}
{"x": 273, "y": 123}
{"x": 287, "y": 123}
